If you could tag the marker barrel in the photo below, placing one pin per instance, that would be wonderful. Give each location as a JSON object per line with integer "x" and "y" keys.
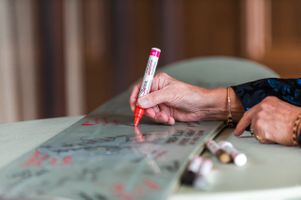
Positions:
{"x": 239, "y": 158}
{"x": 200, "y": 166}
{"x": 197, "y": 171}
{"x": 221, "y": 154}
{"x": 201, "y": 183}
{"x": 147, "y": 80}
{"x": 206, "y": 167}
{"x": 149, "y": 71}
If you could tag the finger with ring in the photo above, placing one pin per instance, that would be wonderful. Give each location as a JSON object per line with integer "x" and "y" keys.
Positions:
{"x": 260, "y": 139}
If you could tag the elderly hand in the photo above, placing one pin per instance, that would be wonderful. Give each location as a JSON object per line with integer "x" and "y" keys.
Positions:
{"x": 271, "y": 120}
{"x": 170, "y": 100}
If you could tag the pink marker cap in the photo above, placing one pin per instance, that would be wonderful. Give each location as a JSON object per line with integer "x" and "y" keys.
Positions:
{"x": 155, "y": 52}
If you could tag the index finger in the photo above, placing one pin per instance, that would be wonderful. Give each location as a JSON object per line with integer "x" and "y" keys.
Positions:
{"x": 245, "y": 121}
{"x": 134, "y": 96}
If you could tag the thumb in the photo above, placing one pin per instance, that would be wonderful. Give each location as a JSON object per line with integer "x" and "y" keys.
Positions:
{"x": 154, "y": 98}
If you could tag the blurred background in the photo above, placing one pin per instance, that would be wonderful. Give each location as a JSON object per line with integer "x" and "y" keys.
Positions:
{"x": 67, "y": 57}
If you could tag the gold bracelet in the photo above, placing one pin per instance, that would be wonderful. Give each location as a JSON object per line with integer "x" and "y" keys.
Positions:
{"x": 295, "y": 134}
{"x": 229, "y": 117}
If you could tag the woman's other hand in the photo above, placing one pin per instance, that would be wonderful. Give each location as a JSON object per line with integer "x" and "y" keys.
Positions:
{"x": 170, "y": 100}
{"x": 271, "y": 121}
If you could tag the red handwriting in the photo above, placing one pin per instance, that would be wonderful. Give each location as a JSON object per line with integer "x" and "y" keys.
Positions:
{"x": 37, "y": 159}
{"x": 67, "y": 160}
{"x": 139, "y": 191}
{"x": 97, "y": 120}
{"x": 121, "y": 193}
{"x": 151, "y": 184}
{"x": 92, "y": 122}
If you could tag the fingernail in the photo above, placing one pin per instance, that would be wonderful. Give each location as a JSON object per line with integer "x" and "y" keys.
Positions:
{"x": 171, "y": 121}
{"x": 144, "y": 102}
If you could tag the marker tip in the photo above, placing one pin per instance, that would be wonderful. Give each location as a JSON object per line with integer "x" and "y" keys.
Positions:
{"x": 136, "y": 122}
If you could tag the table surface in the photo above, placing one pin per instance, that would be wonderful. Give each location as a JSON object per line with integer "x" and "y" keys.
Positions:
{"x": 271, "y": 170}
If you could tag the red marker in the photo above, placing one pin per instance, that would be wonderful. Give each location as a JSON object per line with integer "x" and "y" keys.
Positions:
{"x": 147, "y": 80}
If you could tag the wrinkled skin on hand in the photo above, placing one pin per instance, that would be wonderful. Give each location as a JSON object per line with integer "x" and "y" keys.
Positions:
{"x": 170, "y": 100}
{"x": 272, "y": 120}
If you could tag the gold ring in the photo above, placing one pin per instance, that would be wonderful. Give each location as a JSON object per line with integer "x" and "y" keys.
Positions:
{"x": 259, "y": 138}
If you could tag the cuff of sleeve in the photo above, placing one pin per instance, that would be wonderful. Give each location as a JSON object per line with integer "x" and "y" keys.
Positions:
{"x": 252, "y": 93}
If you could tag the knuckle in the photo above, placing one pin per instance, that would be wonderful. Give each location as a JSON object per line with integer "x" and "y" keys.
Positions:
{"x": 162, "y": 74}
{"x": 264, "y": 106}
{"x": 270, "y": 99}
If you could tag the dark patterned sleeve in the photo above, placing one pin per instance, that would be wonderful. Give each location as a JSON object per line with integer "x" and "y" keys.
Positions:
{"x": 252, "y": 93}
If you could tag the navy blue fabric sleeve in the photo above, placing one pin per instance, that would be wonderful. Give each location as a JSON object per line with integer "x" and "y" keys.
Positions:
{"x": 254, "y": 92}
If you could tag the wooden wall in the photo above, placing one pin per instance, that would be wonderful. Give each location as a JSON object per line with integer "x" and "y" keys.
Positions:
{"x": 273, "y": 34}
{"x": 128, "y": 29}
{"x": 66, "y": 57}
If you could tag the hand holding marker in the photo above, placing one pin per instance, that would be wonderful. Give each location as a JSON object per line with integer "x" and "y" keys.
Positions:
{"x": 147, "y": 81}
